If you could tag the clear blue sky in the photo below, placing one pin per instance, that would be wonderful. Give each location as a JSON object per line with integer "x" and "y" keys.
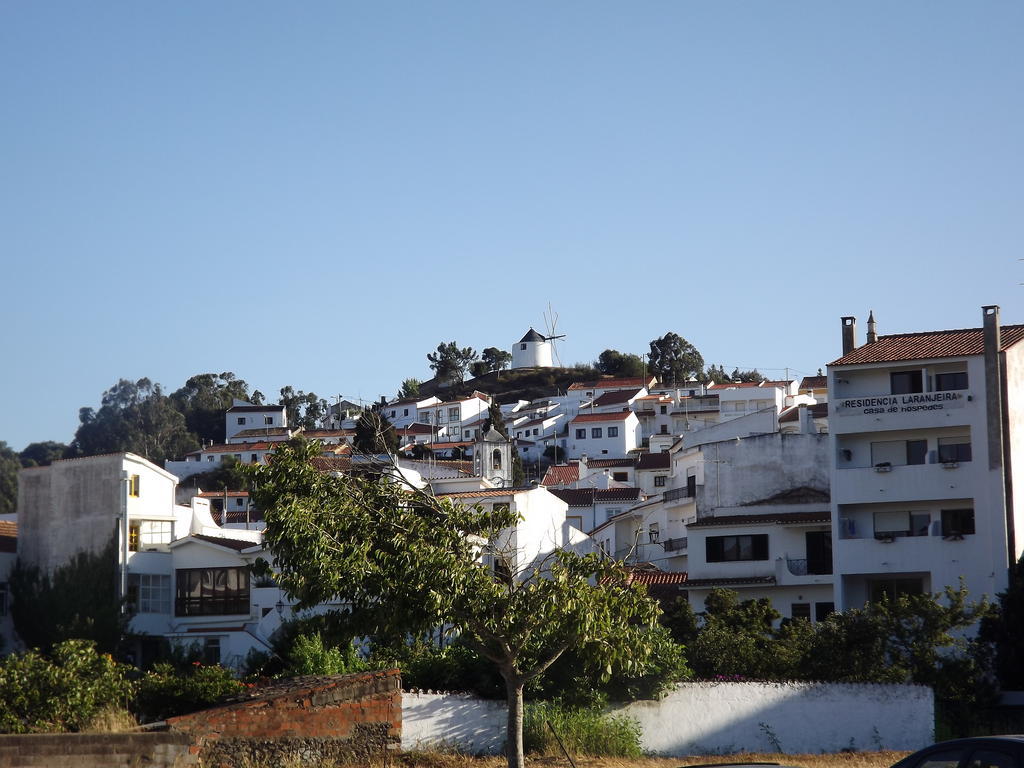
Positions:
{"x": 318, "y": 193}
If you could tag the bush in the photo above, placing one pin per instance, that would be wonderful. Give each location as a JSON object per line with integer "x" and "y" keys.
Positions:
{"x": 309, "y": 656}
{"x": 164, "y": 693}
{"x": 62, "y": 694}
{"x": 589, "y": 731}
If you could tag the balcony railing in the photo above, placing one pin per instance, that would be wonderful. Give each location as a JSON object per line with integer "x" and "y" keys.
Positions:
{"x": 804, "y": 567}
{"x": 677, "y": 493}
{"x": 677, "y": 544}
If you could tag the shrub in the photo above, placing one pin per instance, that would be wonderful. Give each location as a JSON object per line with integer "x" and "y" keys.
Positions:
{"x": 309, "y": 656}
{"x": 165, "y": 693}
{"x": 62, "y": 694}
{"x": 589, "y": 731}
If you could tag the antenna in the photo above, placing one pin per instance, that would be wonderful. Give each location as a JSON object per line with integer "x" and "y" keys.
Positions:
{"x": 551, "y": 324}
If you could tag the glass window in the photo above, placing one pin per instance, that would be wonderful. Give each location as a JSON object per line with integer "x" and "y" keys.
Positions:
{"x": 149, "y": 592}
{"x": 990, "y": 758}
{"x": 595, "y": 432}
{"x": 954, "y": 449}
{"x": 268, "y": 420}
{"x": 905, "y": 382}
{"x": 946, "y": 758}
{"x": 728, "y": 548}
{"x": 581, "y": 434}
{"x": 241, "y": 420}
{"x": 800, "y": 611}
{"x": 947, "y": 381}
{"x": 613, "y": 431}
{"x": 620, "y": 477}
{"x": 659, "y": 481}
{"x": 211, "y": 591}
{"x": 133, "y": 486}
{"x": 917, "y": 450}
{"x": 957, "y": 522}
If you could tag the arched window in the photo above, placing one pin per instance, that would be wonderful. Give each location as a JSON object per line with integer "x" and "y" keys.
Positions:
{"x": 496, "y": 459}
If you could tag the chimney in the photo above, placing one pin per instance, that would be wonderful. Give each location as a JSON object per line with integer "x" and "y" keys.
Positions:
{"x": 872, "y": 333}
{"x": 993, "y": 390}
{"x": 849, "y": 334}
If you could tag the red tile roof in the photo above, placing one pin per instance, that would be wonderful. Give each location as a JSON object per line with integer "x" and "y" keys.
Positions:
{"x": 313, "y": 434}
{"x": 616, "y": 416}
{"x": 484, "y": 493}
{"x": 236, "y": 544}
{"x": 601, "y": 463}
{"x": 8, "y": 536}
{"x": 778, "y": 518}
{"x": 818, "y": 411}
{"x": 615, "y": 397}
{"x": 331, "y": 463}
{"x": 928, "y": 345}
{"x": 657, "y": 578}
{"x": 587, "y": 497}
{"x": 814, "y": 382}
{"x": 654, "y": 461}
{"x": 561, "y": 474}
{"x": 415, "y": 429}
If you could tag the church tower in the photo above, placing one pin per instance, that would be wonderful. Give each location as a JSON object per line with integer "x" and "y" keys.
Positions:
{"x": 492, "y": 458}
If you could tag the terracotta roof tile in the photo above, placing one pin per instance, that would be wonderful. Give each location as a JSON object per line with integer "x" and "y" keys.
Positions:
{"x": 8, "y": 536}
{"x": 779, "y": 518}
{"x": 484, "y": 493}
{"x": 602, "y": 463}
{"x": 814, "y": 382}
{"x": 615, "y": 397}
{"x": 236, "y": 544}
{"x": 586, "y": 497}
{"x": 615, "y": 416}
{"x": 928, "y": 345}
{"x": 657, "y": 578}
{"x": 561, "y": 474}
{"x": 654, "y": 461}
{"x": 331, "y": 463}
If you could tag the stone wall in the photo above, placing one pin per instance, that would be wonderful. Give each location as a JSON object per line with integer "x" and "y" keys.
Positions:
{"x": 308, "y": 718}
{"x": 103, "y": 750}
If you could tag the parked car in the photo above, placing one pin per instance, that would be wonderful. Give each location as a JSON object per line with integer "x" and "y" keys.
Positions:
{"x": 975, "y": 752}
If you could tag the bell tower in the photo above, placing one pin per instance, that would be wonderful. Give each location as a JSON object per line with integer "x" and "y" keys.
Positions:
{"x": 492, "y": 458}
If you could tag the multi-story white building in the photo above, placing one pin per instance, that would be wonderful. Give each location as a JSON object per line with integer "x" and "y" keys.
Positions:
{"x": 447, "y": 419}
{"x": 258, "y": 420}
{"x": 609, "y": 435}
{"x": 928, "y": 449}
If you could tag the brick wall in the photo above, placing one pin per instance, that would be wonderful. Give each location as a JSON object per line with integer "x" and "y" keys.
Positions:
{"x": 336, "y": 717}
{"x": 102, "y": 750}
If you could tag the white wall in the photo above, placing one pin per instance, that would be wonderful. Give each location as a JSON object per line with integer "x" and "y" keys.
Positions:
{"x": 713, "y": 718}
{"x": 454, "y": 720}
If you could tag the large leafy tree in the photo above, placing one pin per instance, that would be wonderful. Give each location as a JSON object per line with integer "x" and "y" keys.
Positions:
{"x": 375, "y": 434}
{"x": 496, "y": 359}
{"x": 451, "y": 362}
{"x": 1004, "y": 630}
{"x": 410, "y": 388}
{"x": 303, "y": 409}
{"x": 674, "y": 359}
{"x": 42, "y": 454}
{"x": 405, "y": 562}
{"x": 611, "y": 362}
{"x": 203, "y": 400}
{"x": 133, "y": 416}
{"x": 9, "y": 466}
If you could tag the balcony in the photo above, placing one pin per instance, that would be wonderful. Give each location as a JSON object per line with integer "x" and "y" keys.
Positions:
{"x": 679, "y": 496}
{"x": 909, "y": 482}
{"x": 873, "y": 412}
{"x": 677, "y": 544}
{"x": 805, "y": 567}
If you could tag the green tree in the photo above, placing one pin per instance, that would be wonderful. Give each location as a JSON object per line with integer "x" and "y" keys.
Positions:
{"x": 611, "y": 362}
{"x": 451, "y": 362}
{"x": 42, "y": 454}
{"x": 407, "y": 562}
{"x": 78, "y": 600}
{"x": 375, "y": 434}
{"x": 1004, "y": 630}
{"x": 302, "y": 409}
{"x": 410, "y": 388}
{"x": 716, "y": 374}
{"x": 9, "y": 466}
{"x": 133, "y": 416}
{"x": 674, "y": 360}
{"x": 478, "y": 368}
{"x": 496, "y": 359}
{"x": 752, "y": 376}
{"x": 203, "y": 400}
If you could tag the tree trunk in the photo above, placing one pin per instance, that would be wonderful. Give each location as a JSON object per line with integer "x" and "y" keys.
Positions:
{"x": 514, "y": 733}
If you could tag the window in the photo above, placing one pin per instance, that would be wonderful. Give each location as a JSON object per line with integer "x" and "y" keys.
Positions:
{"x": 659, "y": 481}
{"x": 662, "y": 409}
{"x": 664, "y": 429}
{"x": 947, "y": 758}
{"x": 522, "y": 347}
{"x": 620, "y": 477}
{"x": 133, "y": 486}
{"x": 989, "y": 758}
{"x": 241, "y": 420}
{"x": 610, "y": 513}
{"x": 957, "y": 522}
{"x": 893, "y": 588}
{"x": 211, "y": 591}
{"x": 947, "y": 381}
{"x": 149, "y": 592}
{"x": 535, "y": 430}
{"x": 496, "y": 459}
{"x": 917, "y": 451}
{"x": 653, "y": 532}
{"x": 595, "y": 432}
{"x": 239, "y": 501}
{"x": 954, "y": 449}
{"x": 581, "y": 434}
{"x": 889, "y": 525}
{"x": 722, "y": 549}
{"x": 453, "y": 414}
{"x": 691, "y": 486}
{"x": 905, "y": 382}
{"x": 823, "y": 610}
{"x": 148, "y": 534}
{"x": 405, "y": 411}
{"x": 268, "y": 420}
{"x": 800, "y": 611}
{"x": 254, "y": 457}
{"x": 613, "y": 431}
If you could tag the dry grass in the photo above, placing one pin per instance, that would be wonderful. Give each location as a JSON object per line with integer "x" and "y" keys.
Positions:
{"x": 838, "y": 760}
{"x": 111, "y": 720}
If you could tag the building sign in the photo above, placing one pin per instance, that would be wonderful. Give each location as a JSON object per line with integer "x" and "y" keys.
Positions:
{"x": 912, "y": 403}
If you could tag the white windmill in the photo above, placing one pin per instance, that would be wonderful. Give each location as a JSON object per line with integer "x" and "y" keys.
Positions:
{"x": 551, "y": 324}
{"x": 535, "y": 350}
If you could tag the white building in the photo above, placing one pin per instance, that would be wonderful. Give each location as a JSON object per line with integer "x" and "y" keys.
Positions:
{"x": 447, "y": 419}
{"x": 265, "y": 419}
{"x": 928, "y": 449}
{"x": 610, "y": 435}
